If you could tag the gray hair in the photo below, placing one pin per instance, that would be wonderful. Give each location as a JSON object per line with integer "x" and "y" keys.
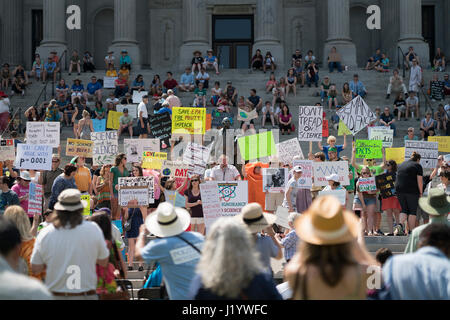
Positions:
{"x": 229, "y": 260}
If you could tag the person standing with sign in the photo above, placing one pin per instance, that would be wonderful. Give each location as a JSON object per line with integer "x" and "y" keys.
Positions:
{"x": 83, "y": 175}
{"x": 365, "y": 202}
{"x": 194, "y": 204}
{"x": 290, "y": 195}
{"x": 332, "y": 144}
{"x": 391, "y": 205}
{"x": 64, "y": 181}
{"x": 118, "y": 171}
{"x": 47, "y": 178}
{"x": 22, "y": 189}
{"x": 144, "y": 126}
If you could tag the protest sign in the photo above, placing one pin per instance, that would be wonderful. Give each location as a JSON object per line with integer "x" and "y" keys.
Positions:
{"x": 217, "y": 118}
{"x": 33, "y": 157}
{"x": 137, "y": 96}
{"x": 175, "y": 198}
{"x": 369, "y": 149}
{"x": 233, "y": 196}
{"x": 196, "y": 157}
{"x": 99, "y": 125}
{"x": 43, "y": 133}
{"x": 106, "y": 147}
{"x": 444, "y": 142}
{"x": 134, "y": 148}
{"x": 86, "y": 198}
{"x": 343, "y": 130}
{"x": 274, "y": 179}
{"x": 188, "y": 120}
{"x": 78, "y": 147}
{"x": 396, "y": 154}
{"x": 447, "y": 158}
{"x": 212, "y": 209}
{"x": 323, "y": 169}
{"x": 161, "y": 128}
{"x": 136, "y": 188}
{"x": 177, "y": 169}
{"x": 109, "y": 82}
{"x": 386, "y": 184}
{"x": 305, "y": 181}
{"x": 244, "y": 115}
{"x": 113, "y": 120}
{"x": 339, "y": 194}
{"x": 325, "y": 129}
{"x": 153, "y": 160}
{"x": 427, "y": 150}
{"x": 367, "y": 184}
{"x": 310, "y": 123}
{"x": 7, "y": 150}
{"x": 282, "y": 219}
{"x": 132, "y": 109}
{"x": 384, "y": 134}
{"x": 208, "y": 122}
{"x": 35, "y": 196}
{"x": 356, "y": 115}
{"x": 289, "y": 149}
{"x": 257, "y": 146}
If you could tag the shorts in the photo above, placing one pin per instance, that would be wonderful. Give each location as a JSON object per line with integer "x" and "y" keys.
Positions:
{"x": 367, "y": 201}
{"x": 197, "y": 220}
{"x": 145, "y": 129}
{"x": 77, "y": 94}
{"x": 273, "y": 201}
{"x": 264, "y": 109}
{"x": 390, "y": 203}
{"x": 409, "y": 203}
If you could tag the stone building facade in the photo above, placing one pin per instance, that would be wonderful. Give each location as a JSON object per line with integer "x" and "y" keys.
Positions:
{"x": 164, "y": 33}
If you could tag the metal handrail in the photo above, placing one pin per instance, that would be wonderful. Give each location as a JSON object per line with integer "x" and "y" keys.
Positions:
{"x": 427, "y": 101}
{"x": 44, "y": 90}
{"x": 403, "y": 60}
{"x": 60, "y": 60}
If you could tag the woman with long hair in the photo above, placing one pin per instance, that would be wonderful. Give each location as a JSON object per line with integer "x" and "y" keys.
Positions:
{"x": 85, "y": 126}
{"x": 272, "y": 83}
{"x": 391, "y": 205}
{"x": 366, "y": 201}
{"x": 291, "y": 80}
{"x": 118, "y": 171}
{"x": 32, "y": 114}
{"x": 229, "y": 267}
{"x": 194, "y": 203}
{"x": 101, "y": 187}
{"x": 346, "y": 94}
{"x": 156, "y": 82}
{"x": 257, "y": 61}
{"x": 285, "y": 120}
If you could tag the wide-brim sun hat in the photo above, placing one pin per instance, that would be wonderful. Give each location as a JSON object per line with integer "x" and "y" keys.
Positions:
{"x": 70, "y": 200}
{"x": 437, "y": 203}
{"x": 168, "y": 221}
{"x": 332, "y": 177}
{"x": 25, "y": 175}
{"x": 327, "y": 223}
{"x": 256, "y": 220}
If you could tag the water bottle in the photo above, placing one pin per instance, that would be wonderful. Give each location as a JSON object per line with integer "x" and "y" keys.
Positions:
{"x": 412, "y": 114}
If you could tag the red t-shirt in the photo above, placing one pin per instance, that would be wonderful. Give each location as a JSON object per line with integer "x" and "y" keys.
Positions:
{"x": 170, "y": 84}
{"x": 120, "y": 82}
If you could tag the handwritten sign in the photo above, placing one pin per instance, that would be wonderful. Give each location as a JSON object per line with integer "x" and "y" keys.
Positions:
{"x": 305, "y": 181}
{"x": 99, "y": 125}
{"x": 246, "y": 115}
{"x": 137, "y": 96}
{"x": 257, "y": 146}
{"x": 310, "y": 123}
{"x": 78, "y": 147}
{"x": 427, "y": 150}
{"x": 367, "y": 184}
{"x": 161, "y": 128}
{"x": 109, "y": 82}
{"x": 136, "y": 188}
{"x": 113, "y": 120}
{"x": 132, "y": 109}
{"x": 343, "y": 130}
{"x": 175, "y": 169}
{"x": 356, "y": 115}
{"x": 396, "y": 154}
{"x": 34, "y": 157}
{"x": 325, "y": 129}
{"x": 386, "y": 184}
{"x": 153, "y": 160}
{"x": 35, "y": 196}
{"x": 444, "y": 142}
{"x": 106, "y": 147}
{"x": 369, "y": 149}
{"x": 134, "y": 148}
{"x": 323, "y": 169}
{"x": 188, "y": 120}
{"x": 43, "y": 133}
{"x": 196, "y": 157}
{"x": 289, "y": 149}
{"x": 384, "y": 134}
{"x": 7, "y": 150}
{"x": 212, "y": 209}
{"x": 339, "y": 194}
{"x": 274, "y": 179}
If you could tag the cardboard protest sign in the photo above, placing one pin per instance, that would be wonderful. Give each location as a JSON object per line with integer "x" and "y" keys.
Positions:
{"x": 114, "y": 120}
{"x": 134, "y": 148}
{"x": 175, "y": 198}
{"x": 310, "y": 123}
{"x": 137, "y": 96}
{"x": 233, "y": 196}
{"x": 356, "y": 115}
{"x": 305, "y": 181}
{"x": 325, "y": 129}
{"x": 132, "y": 109}
{"x": 289, "y": 149}
{"x": 257, "y": 146}
{"x": 444, "y": 142}
{"x": 427, "y": 150}
{"x": 386, "y": 184}
{"x": 367, "y": 184}
{"x": 34, "y": 157}
{"x": 369, "y": 149}
{"x": 35, "y": 197}
{"x": 176, "y": 169}
{"x": 153, "y": 160}
{"x": 212, "y": 209}
{"x": 244, "y": 115}
{"x": 7, "y": 150}
{"x": 323, "y": 169}
{"x": 86, "y": 198}
{"x": 161, "y": 128}
{"x": 188, "y": 120}
{"x": 339, "y": 194}
{"x": 78, "y": 147}
{"x": 106, "y": 147}
{"x": 274, "y": 179}
{"x": 396, "y": 154}
{"x": 384, "y": 134}
{"x": 196, "y": 157}
{"x": 217, "y": 118}
{"x": 282, "y": 214}
{"x": 343, "y": 130}
{"x": 99, "y": 125}
{"x": 109, "y": 82}
{"x": 136, "y": 188}
{"x": 43, "y": 133}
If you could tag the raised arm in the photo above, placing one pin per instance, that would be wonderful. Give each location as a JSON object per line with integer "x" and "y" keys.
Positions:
{"x": 353, "y": 156}
{"x": 183, "y": 185}
{"x": 345, "y": 142}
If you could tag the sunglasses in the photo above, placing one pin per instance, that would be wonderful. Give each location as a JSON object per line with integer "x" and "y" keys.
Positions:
{"x": 194, "y": 180}
{"x": 363, "y": 173}
{"x": 55, "y": 161}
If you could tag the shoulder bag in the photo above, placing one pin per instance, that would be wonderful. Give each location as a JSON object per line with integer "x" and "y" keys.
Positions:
{"x": 127, "y": 225}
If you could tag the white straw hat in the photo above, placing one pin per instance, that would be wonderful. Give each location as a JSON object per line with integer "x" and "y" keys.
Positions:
{"x": 168, "y": 221}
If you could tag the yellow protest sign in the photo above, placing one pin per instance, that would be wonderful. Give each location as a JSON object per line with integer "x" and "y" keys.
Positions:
{"x": 113, "y": 120}
{"x": 443, "y": 143}
{"x": 188, "y": 120}
{"x": 78, "y": 147}
{"x": 153, "y": 160}
{"x": 396, "y": 154}
{"x": 343, "y": 129}
{"x": 87, "y": 199}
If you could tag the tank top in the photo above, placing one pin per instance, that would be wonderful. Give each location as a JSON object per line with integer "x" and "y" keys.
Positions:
{"x": 197, "y": 211}
{"x": 85, "y": 132}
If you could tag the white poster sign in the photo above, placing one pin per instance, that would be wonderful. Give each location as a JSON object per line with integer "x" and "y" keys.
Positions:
{"x": 356, "y": 115}
{"x": 137, "y": 96}
{"x": 305, "y": 181}
{"x": 196, "y": 156}
{"x": 212, "y": 209}
{"x": 106, "y": 147}
{"x": 233, "y": 197}
{"x": 310, "y": 121}
{"x": 109, "y": 82}
{"x": 43, "y": 133}
{"x": 289, "y": 149}
{"x": 339, "y": 194}
{"x": 34, "y": 157}
{"x": 274, "y": 179}
{"x": 385, "y": 134}
{"x": 323, "y": 169}
{"x": 136, "y": 183}
{"x": 282, "y": 214}
{"x": 175, "y": 169}
{"x": 132, "y": 109}
{"x": 427, "y": 150}
{"x": 134, "y": 148}
{"x": 7, "y": 150}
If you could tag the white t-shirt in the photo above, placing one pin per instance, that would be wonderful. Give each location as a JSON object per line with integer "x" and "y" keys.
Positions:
{"x": 70, "y": 256}
{"x": 142, "y": 107}
{"x": 4, "y": 105}
{"x": 228, "y": 174}
{"x": 412, "y": 101}
{"x": 114, "y": 101}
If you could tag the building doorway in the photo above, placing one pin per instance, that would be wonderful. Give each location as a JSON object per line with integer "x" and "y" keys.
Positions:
{"x": 428, "y": 28}
{"x": 233, "y": 40}
{"x": 103, "y": 36}
{"x": 37, "y": 32}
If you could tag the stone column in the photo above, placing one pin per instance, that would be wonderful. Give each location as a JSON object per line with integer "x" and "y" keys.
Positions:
{"x": 125, "y": 32}
{"x": 76, "y": 39}
{"x": 54, "y": 30}
{"x": 339, "y": 33}
{"x": 266, "y": 30}
{"x": 411, "y": 30}
{"x": 194, "y": 31}
{"x": 12, "y": 32}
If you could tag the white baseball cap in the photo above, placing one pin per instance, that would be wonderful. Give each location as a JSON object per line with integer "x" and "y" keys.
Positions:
{"x": 298, "y": 169}
{"x": 333, "y": 177}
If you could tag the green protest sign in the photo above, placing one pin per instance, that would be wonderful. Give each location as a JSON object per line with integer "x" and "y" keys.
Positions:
{"x": 257, "y": 146}
{"x": 369, "y": 149}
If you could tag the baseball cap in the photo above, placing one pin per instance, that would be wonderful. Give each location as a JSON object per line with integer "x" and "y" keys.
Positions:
{"x": 333, "y": 177}
{"x": 298, "y": 169}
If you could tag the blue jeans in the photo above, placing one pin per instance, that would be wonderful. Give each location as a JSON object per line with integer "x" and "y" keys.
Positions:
{"x": 361, "y": 93}
{"x": 174, "y": 90}
{"x": 332, "y": 65}
{"x": 323, "y": 95}
{"x": 120, "y": 92}
{"x": 314, "y": 79}
{"x": 393, "y": 127}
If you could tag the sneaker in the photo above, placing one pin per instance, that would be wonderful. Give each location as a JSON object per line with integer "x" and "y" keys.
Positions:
{"x": 379, "y": 233}
{"x": 390, "y": 234}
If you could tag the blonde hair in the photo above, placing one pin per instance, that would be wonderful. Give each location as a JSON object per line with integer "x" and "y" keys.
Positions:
{"x": 229, "y": 260}
{"x": 18, "y": 216}
{"x": 331, "y": 138}
{"x": 86, "y": 114}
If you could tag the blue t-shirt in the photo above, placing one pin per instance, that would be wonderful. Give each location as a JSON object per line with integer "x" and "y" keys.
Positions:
{"x": 163, "y": 109}
{"x": 92, "y": 87}
{"x": 326, "y": 148}
{"x": 178, "y": 261}
{"x": 138, "y": 83}
{"x": 187, "y": 78}
{"x": 267, "y": 249}
{"x": 212, "y": 59}
{"x": 50, "y": 67}
{"x": 125, "y": 59}
{"x": 78, "y": 88}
